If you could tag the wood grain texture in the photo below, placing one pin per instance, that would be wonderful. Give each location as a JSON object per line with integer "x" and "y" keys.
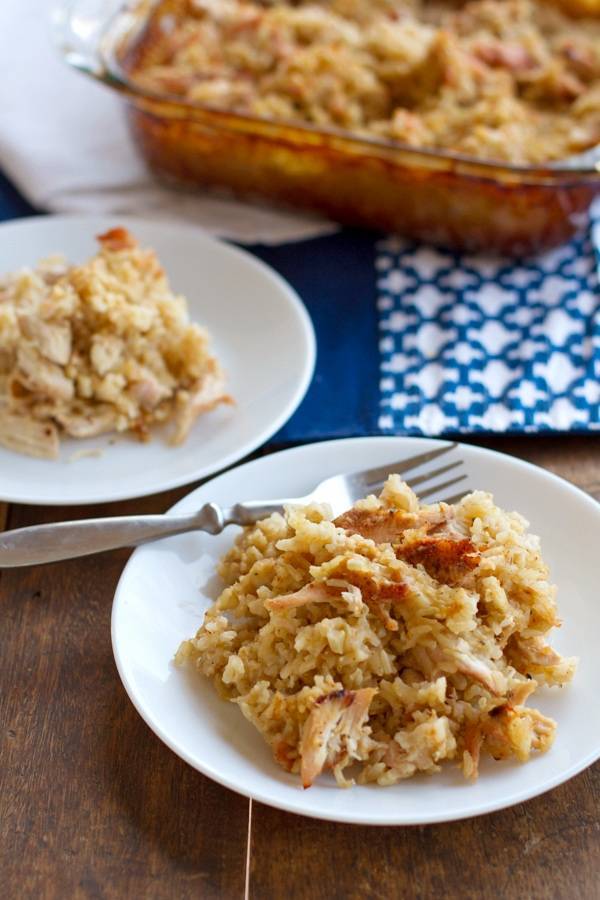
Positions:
{"x": 3, "y": 515}
{"x": 92, "y": 805}
{"x": 546, "y": 849}
{"x": 572, "y": 457}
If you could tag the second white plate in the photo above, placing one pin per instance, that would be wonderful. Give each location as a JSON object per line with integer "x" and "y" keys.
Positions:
{"x": 167, "y": 586}
{"x": 261, "y": 333}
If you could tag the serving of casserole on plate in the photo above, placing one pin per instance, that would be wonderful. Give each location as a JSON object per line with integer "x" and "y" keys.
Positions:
{"x": 103, "y": 350}
{"x": 100, "y": 347}
{"x": 386, "y": 641}
{"x": 471, "y": 124}
{"x": 410, "y": 673}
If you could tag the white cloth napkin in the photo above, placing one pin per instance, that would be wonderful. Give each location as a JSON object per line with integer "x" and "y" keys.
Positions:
{"x": 65, "y": 145}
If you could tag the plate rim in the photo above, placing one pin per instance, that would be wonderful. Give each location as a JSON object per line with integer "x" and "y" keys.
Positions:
{"x": 502, "y": 802}
{"x": 238, "y": 453}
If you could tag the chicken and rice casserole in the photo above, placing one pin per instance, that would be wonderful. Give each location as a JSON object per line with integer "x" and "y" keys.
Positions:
{"x": 507, "y": 80}
{"x": 100, "y": 347}
{"x": 388, "y": 640}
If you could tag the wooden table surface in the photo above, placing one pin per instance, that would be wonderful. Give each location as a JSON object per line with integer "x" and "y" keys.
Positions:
{"x": 93, "y": 805}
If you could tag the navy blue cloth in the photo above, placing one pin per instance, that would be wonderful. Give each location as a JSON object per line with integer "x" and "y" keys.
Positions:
{"x": 334, "y": 277}
{"x": 12, "y": 204}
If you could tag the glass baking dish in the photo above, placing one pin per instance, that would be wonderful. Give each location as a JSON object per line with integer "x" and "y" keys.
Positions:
{"x": 435, "y": 196}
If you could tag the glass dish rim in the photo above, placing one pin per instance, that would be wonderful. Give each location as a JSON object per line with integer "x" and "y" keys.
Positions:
{"x": 584, "y": 166}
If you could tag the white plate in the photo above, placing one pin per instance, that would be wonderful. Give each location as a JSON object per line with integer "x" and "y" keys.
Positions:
{"x": 261, "y": 333}
{"x": 166, "y": 587}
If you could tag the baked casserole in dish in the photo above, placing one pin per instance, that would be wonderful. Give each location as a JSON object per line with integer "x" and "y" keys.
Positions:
{"x": 474, "y": 125}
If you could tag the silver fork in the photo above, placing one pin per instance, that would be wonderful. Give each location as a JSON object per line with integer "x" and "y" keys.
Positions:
{"x": 66, "y": 540}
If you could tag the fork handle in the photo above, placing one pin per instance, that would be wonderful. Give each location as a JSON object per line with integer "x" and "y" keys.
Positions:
{"x": 67, "y": 540}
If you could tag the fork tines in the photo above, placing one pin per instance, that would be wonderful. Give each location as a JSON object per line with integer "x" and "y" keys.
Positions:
{"x": 375, "y": 478}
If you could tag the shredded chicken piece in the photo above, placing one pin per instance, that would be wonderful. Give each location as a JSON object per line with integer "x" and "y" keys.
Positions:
{"x": 332, "y": 731}
{"x": 28, "y": 436}
{"x": 313, "y": 592}
{"x": 533, "y": 656}
{"x": 377, "y": 594}
{"x": 39, "y": 376}
{"x": 208, "y": 393}
{"x": 84, "y": 425}
{"x": 387, "y": 525}
{"x": 53, "y": 339}
{"x": 445, "y": 559}
{"x": 468, "y": 664}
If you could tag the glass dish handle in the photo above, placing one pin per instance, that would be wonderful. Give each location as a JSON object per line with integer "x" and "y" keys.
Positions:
{"x": 77, "y": 29}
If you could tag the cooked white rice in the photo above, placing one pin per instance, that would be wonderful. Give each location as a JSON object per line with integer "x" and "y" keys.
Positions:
{"x": 396, "y": 637}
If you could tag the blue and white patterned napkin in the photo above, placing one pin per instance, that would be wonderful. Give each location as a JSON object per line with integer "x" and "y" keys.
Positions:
{"x": 471, "y": 343}
{"x": 414, "y": 340}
